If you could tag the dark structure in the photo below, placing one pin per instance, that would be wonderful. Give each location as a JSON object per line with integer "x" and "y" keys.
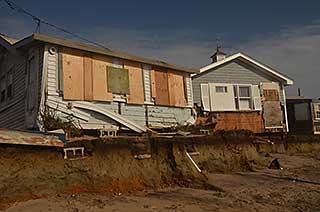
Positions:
{"x": 303, "y": 115}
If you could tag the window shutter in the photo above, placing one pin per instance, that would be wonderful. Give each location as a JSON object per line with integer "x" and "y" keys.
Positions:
{"x": 189, "y": 91}
{"x": 256, "y": 97}
{"x": 147, "y": 83}
{"x": 205, "y": 97}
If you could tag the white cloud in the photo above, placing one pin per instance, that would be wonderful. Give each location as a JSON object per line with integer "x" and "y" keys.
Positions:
{"x": 176, "y": 47}
{"x": 294, "y": 52}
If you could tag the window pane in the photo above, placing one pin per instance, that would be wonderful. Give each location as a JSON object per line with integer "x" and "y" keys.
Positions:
{"x": 221, "y": 89}
{"x": 244, "y": 91}
{"x": 245, "y": 104}
{"x": 317, "y": 127}
{"x": 301, "y": 111}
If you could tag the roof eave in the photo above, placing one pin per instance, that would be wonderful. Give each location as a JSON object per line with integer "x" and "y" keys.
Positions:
{"x": 287, "y": 81}
{"x": 61, "y": 42}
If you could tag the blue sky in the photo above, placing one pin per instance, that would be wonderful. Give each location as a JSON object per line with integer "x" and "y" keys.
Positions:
{"x": 283, "y": 34}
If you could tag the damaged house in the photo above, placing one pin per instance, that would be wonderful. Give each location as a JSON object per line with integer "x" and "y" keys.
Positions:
{"x": 92, "y": 87}
{"x": 303, "y": 115}
{"x": 238, "y": 92}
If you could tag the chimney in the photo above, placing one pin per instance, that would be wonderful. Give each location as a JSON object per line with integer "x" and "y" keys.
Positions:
{"x": 218, "y": 55}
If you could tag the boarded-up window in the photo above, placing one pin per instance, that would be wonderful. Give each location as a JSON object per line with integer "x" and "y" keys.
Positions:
{"x": 161, "y": 81}
{"x": 73, "y": 76}
{"x": 272, "y": 112}
{"x": 271, "y": 95}
{"x": 136, "y": 92}
{"x": 118, "y": 80}
{"x": 99, "y": 78}
{"x": 88, "y": 78}
{"x": 176, "y": 88}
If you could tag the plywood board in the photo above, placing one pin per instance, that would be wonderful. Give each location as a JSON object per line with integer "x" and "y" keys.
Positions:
{"x": 136, "y": 94}
{"x": 161, "y": 84}
{"x": 176, "y": 89}
{"x": 87, "y": 68}
{"x": 153, "y": 83}
{"x": 72, "y": 63}
{"x": 271, "y": 95}
{"x": 272, "y": 114}
{"x": 118, "y": 80}
{"x": 99, "y": 78}
{"x": 240, "y": 120}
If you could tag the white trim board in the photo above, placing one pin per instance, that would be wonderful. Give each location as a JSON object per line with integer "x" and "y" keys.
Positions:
{"x": 250, "y": 60}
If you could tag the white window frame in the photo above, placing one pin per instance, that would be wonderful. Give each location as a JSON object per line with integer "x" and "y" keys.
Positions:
{"x": 316, "y": 109}
{"x": 224, "y": 89}
{"x": 238, "y": 98}
{"x": 316, "y": 127}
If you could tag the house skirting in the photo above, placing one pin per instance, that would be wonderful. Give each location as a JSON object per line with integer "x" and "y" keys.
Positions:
{"x": 252, "y": 121}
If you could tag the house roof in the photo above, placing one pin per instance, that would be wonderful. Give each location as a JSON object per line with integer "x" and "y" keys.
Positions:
{"x": 104, "y": 51}
{"x": 301, "y": 99}
{"x": 8, "y": 39}
{"x": 245, "y": 58}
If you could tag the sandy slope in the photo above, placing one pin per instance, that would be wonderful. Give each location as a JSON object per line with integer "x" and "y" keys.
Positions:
{"x": 262, "y": 190}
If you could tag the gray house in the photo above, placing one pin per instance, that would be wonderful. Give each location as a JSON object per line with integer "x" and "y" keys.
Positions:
{"x": 46, "y": 81}
{"x": 238, "y": 92}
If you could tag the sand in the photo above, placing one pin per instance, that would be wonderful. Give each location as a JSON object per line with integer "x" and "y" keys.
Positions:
{"x": 294, "y": 188}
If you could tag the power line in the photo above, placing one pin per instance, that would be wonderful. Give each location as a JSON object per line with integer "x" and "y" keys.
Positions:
{"x": 38, "y": 21}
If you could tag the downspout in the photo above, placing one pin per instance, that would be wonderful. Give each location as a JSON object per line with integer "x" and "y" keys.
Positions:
{"x": 285, "y": 107}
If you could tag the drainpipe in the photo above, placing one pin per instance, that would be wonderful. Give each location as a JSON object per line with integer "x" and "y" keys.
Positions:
{"x": 285, "y": 107}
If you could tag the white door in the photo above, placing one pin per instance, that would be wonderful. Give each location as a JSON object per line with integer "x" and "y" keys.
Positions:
{"x": 222, "y": 97}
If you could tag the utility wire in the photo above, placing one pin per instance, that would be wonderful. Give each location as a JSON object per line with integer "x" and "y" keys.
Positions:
{"x": 38, "y": 21}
